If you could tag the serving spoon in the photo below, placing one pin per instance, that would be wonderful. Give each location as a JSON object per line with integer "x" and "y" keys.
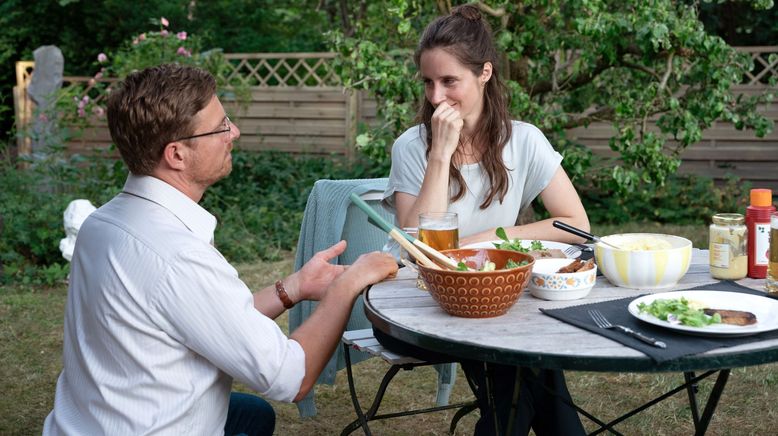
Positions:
{"x": 578, "y": 232}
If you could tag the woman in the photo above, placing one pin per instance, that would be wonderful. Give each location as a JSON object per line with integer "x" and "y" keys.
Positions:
{"x": 468, "y": 157}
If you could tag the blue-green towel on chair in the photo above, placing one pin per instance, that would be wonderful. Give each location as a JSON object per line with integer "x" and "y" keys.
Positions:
{"x": 329, "y": 217}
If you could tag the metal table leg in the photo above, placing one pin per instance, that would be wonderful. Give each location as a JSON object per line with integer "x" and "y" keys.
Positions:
{"x": 690, "y": 384}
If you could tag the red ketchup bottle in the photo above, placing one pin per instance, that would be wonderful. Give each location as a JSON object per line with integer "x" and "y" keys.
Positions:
{"x": 758, "y": 225}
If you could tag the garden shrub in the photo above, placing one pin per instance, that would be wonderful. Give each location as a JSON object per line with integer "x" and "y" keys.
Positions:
{"x": 682, "y": 199}
{"x": 259, "y": 206}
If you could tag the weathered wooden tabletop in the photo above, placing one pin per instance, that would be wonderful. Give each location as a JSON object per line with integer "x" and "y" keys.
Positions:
{"x": 525, "y": 336}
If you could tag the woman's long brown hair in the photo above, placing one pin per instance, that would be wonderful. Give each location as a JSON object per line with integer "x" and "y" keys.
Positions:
{"x": 467, "y": 36}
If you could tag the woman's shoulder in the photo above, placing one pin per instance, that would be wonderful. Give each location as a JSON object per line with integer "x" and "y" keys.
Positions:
{"x": 527, "y": 139}
{"x": 523, "y": 128}
{"x": 411, "y": 139}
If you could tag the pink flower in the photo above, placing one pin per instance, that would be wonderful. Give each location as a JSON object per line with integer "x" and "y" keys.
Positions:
{"x": 91, "y": 82}
{"x": 181, "y": 36}
{"x": 81, "y": 105}
{"x": 183, "y": 52}
{"x": 163, "y": 33}
{"x": 43, "y": 117}
{"x": 98, "y": 110}
{"x": 135, "y": 41}
{"x": 102, "y": 58}
{"x": 164, "y": 21}
{"x": 142, "y": 36}
{"x": 99, "y": 75}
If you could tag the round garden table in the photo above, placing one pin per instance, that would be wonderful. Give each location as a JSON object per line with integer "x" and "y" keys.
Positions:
{"x": 526, "y": 337}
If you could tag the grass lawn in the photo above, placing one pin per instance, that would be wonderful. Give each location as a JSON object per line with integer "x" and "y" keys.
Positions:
{"x": 31, "y": 347}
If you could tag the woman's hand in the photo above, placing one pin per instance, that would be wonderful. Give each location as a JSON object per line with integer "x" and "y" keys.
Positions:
{"x": 447, "y": 126}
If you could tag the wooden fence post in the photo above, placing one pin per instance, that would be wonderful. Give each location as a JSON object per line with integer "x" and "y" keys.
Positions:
{"x": 23, "y": 106}
{"x": 353, "y": 115}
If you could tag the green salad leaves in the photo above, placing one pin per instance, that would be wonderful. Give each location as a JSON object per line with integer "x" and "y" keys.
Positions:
{"x": 515, "y": 244}
{"x": 490, "y": 266}
{"x": 678, "y": 311}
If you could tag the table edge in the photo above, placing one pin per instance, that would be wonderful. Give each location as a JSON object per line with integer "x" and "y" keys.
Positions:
{"x": 461, "y": 351}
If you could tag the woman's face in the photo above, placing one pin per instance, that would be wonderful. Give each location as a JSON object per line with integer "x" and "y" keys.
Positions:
{"x": 448, "y": 80}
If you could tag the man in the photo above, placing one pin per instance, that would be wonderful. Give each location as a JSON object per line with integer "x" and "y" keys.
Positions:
{"x": 157, "y": 322}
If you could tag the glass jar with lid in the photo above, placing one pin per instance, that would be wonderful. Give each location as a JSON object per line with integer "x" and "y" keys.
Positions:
{"x": 728, "y": 256}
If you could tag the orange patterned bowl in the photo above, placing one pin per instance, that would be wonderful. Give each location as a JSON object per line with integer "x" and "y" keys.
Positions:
{"x": 479, "y": 294}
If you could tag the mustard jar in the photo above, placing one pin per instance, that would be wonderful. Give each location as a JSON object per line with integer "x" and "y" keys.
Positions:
{"x": 728, "y": 256}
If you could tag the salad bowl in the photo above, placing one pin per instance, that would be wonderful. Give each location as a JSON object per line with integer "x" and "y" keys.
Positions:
{"x": 479, "y": 294}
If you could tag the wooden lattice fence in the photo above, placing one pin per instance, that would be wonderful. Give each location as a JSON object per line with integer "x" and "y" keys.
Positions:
{"x": 296, "y": 104}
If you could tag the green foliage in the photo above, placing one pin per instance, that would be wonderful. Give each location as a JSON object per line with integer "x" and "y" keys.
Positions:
{"x": 149, "y": 49}
{"x": 682, "y": 199}
{"x": 32, "y": 203}
{"x": 569, "y": 64}
{"x": 144, "y": 50}
{"x": 260, "y": 205}
{"x": 81, "y": 29}
{"x": 741, "y": 26}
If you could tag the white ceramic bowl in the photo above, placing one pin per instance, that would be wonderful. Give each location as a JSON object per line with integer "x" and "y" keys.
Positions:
{"x": 548, "y": 284}
{"x": 654, "y": 268}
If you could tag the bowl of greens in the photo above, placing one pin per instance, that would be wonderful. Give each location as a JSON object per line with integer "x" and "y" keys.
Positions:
{"x": 488, "y": 282}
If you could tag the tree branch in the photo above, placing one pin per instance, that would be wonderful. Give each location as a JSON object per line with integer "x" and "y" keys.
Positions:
{"x": 545, "y": 86}
{"x": 600, "y": 114}
{"x": 666, "y": 77}
{"x": 344, "y": 21}
{"x": 498, "y": 13}
{"x": 444, "y": 6}
{"x": 642, "y": 68}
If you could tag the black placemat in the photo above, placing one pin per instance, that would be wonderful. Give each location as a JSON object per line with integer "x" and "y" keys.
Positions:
{"x": 677, "y": 344}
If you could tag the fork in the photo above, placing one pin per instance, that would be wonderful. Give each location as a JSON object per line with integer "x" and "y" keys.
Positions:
{"x": 603, "y": 323}
{"x": 576, "y": 249}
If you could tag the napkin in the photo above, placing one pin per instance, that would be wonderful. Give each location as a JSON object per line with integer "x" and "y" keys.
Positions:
{"x": 678, "y": 345}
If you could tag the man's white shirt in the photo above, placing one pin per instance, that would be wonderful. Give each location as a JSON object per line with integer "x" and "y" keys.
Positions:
{"x": 158, "y": 323}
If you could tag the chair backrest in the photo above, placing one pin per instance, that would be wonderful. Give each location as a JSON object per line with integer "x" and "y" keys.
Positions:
{"x": 329, "y": 217}
{"x": 363, "y": 237}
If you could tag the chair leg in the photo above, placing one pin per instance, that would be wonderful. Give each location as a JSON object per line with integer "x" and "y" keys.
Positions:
{"x": 372, "y": 412}
{"x": 461, "y": 413}
{"x": 361, "y": 420}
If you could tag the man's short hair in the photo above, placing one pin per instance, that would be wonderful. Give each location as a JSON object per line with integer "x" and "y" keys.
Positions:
{"x": 154, "y": 107}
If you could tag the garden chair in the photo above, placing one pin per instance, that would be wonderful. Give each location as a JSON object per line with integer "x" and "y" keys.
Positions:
{"x": 329, "y": 217}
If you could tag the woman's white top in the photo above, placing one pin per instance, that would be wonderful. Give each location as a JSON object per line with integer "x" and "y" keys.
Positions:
{"x": 531, "y": 162}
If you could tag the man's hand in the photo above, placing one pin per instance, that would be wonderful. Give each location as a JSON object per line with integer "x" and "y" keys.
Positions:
{"x": 320, "y": 333}
{"x": 372, "y": 268}
{"x": 310, "y": 282}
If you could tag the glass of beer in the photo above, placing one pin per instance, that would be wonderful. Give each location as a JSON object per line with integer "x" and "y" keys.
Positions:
{"x": 439, "y": 230}
{"x": 771, "y": 284}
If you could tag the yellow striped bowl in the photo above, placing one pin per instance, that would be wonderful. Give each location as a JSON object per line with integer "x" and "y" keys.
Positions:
{"x": 644, "y": 268}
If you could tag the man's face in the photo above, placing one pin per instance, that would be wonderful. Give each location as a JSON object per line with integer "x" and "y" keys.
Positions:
{"x": 211, "y": 154}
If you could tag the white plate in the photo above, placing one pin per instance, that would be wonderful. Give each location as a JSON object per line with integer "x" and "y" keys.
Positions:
{"x": 765, "y": 309}
{"x": 524, "y": 243}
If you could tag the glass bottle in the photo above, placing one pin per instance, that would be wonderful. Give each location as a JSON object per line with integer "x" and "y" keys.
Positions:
{"x": 728, "y": 256}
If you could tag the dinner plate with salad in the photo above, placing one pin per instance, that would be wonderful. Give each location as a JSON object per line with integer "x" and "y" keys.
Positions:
{"x": 537, "y": 248}
{"x": 708, "y": 313}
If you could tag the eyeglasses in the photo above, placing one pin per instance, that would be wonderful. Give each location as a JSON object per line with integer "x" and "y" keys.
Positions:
{"x": 227, "y": 127}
